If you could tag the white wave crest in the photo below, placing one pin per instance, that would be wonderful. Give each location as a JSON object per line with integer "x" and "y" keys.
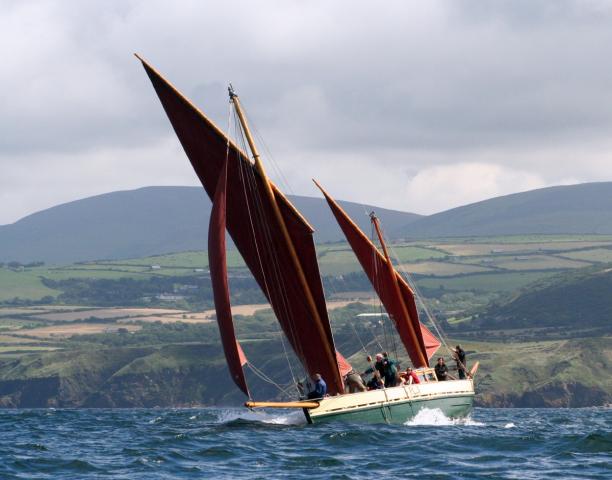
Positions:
{"x": 509, "y": 425}
{"x": 274, "y": 417}
{"x": 435, "y": 417}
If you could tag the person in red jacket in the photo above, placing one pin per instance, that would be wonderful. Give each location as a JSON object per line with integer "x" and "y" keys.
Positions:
{"x": 411, "y": 376}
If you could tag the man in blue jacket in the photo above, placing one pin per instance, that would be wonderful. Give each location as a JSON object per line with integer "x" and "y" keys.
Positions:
{"x": 320, "y": 387}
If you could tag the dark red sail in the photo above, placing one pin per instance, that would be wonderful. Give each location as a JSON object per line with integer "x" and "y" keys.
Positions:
{"x": 255, "y": 231}
{"x": 430, "y": 341}
{"x": 217, "y": 263}
{"x": 392, "y": 289}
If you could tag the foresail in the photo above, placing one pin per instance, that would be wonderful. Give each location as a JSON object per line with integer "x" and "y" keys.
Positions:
{"x": 386, "y": 286}
{"x": 217, "y": 263}
{"x": 255, "y": 231}
{"x": 430, "y": 341}
{"x": 343, "y": 364}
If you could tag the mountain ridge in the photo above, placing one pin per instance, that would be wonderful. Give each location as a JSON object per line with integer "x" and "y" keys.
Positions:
{"x": 160, "y": 220}
{"x": 146, "y": 221}
{"x": 584, "y": 208}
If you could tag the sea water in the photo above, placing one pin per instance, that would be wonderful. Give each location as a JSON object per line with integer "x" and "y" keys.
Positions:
{"x": 237, "y": 443}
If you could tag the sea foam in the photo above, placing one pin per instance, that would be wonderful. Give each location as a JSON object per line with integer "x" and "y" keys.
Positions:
{"x": 274, "y": 417}
{"x": 435, "y": 417}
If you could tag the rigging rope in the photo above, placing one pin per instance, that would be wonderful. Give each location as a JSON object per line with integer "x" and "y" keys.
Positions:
{"x": 268, "y": 154}
{"x": 247, "y": 175}
{"x": 260, "y": 374}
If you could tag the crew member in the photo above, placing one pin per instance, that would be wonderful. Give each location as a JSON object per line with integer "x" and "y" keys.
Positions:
{"x": 390, "y": 371}
{"x": 320, "y": 387}
{"x": 411, "y": 376}
{"x": 379, "y": 366}
{"x": 441, "y": 370}
{"x": 354, "y": 382}
{"x": 376, "y": 382}
{"x": 460, "y": 359}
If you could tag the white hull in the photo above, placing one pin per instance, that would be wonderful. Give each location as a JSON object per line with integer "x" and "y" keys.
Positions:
{"x": 396, "y": 404}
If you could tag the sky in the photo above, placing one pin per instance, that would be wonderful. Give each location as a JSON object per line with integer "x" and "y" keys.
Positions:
{"x": 416, "y": 106}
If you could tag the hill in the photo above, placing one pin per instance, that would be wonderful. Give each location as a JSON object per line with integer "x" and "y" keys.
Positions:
{"x": 573, "y": 209}
{"x": 577, "y": 300}
{"x": 158, "y": 220}
{"x": 144, "y": 222}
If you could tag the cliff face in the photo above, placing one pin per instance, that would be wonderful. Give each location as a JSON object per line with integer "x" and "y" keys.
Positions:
{"x": 183, "y": 387}
{"x": 168, "y": 376}
{"x": 29, "y": 393}
{"x": 536, "y": 374}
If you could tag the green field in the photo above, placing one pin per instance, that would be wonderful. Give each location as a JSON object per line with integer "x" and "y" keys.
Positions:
{"x": 537, "y": 262}
{"x": 493, "y": 282}
{"x": 538, "y": 238}
{"x": 413, "y": 253}
{"x": 599, "y": 255}
{"x": 182, "y": 260}
{"x": 494, "y": 264}
{"x": 442, "y": 269}
{"x": 24, "y": 284}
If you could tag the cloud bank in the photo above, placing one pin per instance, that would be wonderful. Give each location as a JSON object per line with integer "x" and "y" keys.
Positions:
{"x": 415, "y": 106}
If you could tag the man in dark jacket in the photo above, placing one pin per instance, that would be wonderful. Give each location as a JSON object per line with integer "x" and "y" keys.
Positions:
{"x": 375, "y": 382}
{"x": 441, "y": 370}
{"x": 320, "y": 387}
{"x": 378, "y": 366}
{"x": 390, "y": 371}
{"x": 460, "y": 359}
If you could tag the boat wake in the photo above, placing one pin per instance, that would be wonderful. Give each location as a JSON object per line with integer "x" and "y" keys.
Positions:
{"x": 435, "y": 417}
{"x": 269, "y": 417}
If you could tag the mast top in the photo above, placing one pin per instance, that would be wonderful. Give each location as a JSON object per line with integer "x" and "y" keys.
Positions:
{"x": 231, "y": 91}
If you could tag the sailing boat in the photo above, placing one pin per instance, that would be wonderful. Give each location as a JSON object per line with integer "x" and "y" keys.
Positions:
{"x": 276, "y": 243}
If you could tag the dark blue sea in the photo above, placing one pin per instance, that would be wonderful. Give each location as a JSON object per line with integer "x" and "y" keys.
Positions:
{"x": 236, "y": 443}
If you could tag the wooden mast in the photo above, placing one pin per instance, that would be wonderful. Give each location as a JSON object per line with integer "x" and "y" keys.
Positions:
{"x": 331, "y": 357}
{"x": 413, "y": 337}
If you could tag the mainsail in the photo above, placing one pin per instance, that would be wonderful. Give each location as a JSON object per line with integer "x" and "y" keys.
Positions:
{"x": 393, "y": 291}
{"x": 284, "y": 265}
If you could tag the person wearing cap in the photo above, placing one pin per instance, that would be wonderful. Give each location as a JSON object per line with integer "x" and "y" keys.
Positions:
{"x": 320, "y": 387}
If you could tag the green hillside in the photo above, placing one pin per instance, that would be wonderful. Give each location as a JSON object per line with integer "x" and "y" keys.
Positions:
{"x": 135, "y": 362}
{"x": 580, "y": 299}
{"x": 479, "y": 270}
{"x": 572, "y": 209}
